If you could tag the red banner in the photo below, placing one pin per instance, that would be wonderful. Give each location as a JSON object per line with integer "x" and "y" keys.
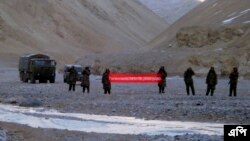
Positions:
{"x": 134, "y": 78}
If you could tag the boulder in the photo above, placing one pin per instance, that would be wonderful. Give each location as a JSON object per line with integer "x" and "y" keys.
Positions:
{"x": 30, "y": 102}
{"x": 3, "y": 136}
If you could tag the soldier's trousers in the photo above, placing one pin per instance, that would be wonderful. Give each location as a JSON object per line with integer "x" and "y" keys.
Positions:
{"x": 84, "y": 88}
{"x": 161, "y": 89}
{"x": 233, "y": 89}
{"x": 211, "y": 89}
{"x": 190, "y": 85}
{"x": 72, "y": 86}
{"x": 107, "y": 90}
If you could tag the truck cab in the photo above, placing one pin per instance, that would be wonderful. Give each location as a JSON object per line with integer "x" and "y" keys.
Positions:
{"x": 43, "y": 70}
{"x": 37, "y": 67}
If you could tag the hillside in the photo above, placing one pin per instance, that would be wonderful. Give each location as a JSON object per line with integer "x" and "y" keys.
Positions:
{"x": 69, "y": 29}
{"x": 216, "y": 33}
{"x": 211, "y": 13}
{"x": 171, "y": 10}
{"x": 221, "y": 31}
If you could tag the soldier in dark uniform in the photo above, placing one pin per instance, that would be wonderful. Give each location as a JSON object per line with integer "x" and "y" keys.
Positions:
{"x": 72, "y": 78}
{"x": 85, "y": 79}
{"x": 106, "y": 82}
{"x": 233, "y": 81}
{"x": 211, "y": 81}
{"x": 162, "y": 83}
{"x": 189, "y": 80}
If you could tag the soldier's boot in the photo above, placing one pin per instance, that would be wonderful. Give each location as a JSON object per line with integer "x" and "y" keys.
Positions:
{"x": 159, "y": 89}
{"x": 193, "y": 91}
{"x": 212, "y": 92}
{"x": 230, "y": 91}
{"x": 163, "y": 90}
{"x": 70, "y": 86}
{"x": 207, "y": 93}
{"x": 88, "y": 89}
{"x": 235, "y": 93}
{"x": 187, "y": 90}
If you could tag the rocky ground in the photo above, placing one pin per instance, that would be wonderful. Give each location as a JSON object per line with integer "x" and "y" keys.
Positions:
{"x": 136, "y": 100}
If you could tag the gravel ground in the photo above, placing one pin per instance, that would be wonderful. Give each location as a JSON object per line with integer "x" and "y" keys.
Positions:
{"x": 136, "y": 100}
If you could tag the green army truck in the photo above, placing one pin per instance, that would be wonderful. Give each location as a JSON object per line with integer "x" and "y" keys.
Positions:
{"x": 34, "y": 67}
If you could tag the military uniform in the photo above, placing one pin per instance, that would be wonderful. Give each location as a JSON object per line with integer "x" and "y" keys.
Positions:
{"x": 85, "y": 79}
{"x": 233, "y": 82}
{"x": 106, "y": 82}
{"x": 72, "y": 78}
{"x": 189, "y": 80}
{"x": 211, "y": 81}
{"x": 162, "y": 83}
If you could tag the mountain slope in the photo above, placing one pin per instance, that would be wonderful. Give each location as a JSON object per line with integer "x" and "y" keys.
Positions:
{"x": 68, "y": 29}
{"x": 216, "y": 33}
{"x": 171, "y": 10}
{"x": 213, "y": 13}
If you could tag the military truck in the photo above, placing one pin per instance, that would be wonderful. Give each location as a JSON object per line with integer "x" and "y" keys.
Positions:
{"x": 37, "y": 67}
{"x": 78, "y": 69}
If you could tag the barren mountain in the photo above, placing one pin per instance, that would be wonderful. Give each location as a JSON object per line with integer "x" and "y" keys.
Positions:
{"x": 171, "y": 10}
{"x": 69, "y": 29}
{"x": 221, "y": 31}
{"x": 216, "y": 33}
{"x": 211, "y": 13}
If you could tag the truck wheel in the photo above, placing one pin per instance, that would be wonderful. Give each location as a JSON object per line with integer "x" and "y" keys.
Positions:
{"x": 43, "y": 81}
{"x": 26, "y": 80}
{"x": 32, "y": 79}
{"x": 21, "y": 77}
{"x": 52, "y": 80}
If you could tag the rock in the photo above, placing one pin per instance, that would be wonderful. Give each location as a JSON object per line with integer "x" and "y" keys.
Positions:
{"x": 161, "y": 139}
{"x": 199, "y": 104}
{"x": 12, "y": 100}
{"x": 3, "y": 136}
{"x": 177, "y": 137}
{"x": 113, "y": 110}
{"x": 31, "y": 103}
{"x": 1, "y": 100}
{"x": 199, "y": 36}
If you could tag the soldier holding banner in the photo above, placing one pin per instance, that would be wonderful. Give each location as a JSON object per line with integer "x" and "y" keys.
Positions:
{"x": 106, "y": 82}
{"x": 162, "y": 83}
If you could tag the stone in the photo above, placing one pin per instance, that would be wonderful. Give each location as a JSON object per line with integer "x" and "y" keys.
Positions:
{"x": 3, "y": 136}
{"x": 30, "y": 103}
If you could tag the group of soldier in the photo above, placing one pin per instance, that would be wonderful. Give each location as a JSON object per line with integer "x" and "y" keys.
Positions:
{"x": 85, "y": 81}
{"x": 211, "y": 80}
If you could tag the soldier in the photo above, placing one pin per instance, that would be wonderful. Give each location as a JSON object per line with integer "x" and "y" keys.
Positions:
{"x": 106, "y": 82}
{"x": 233, "y": 81}
{"x": 189, "y": 80}
{"x": 72, "y": 78}
{"x": 162, "y": 83}
{"x": 85, "y": 79}
{"x": 211, "y": 81}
